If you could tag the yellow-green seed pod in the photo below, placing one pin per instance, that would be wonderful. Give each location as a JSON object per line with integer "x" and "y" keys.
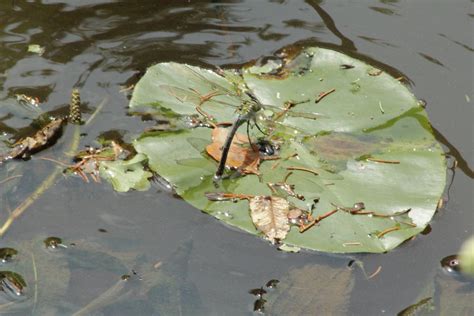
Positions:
{"x": 75, "y": 115}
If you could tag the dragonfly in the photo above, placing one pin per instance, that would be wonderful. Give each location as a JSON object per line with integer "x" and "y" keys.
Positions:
{"x": 228, "y": 89}
{"x": 247, "y": 113}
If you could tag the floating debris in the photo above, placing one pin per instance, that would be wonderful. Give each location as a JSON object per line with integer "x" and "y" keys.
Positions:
{"x": 25, "y": 100}
{"x": 359, "y": 206}
{"x": 37, "y": 49}
{"x": 374, "y": 72}
{"x": 29, "y": 145}
{"x": 289, "y": 248}
{"x": 54, "y": 243}
{"x": 418, "y": 308}
{"x": 451, "y": 264}
{"x": 355, "y": 86}
{"x": 258, "y": 292}
{"x": 346, "y": 66}
{"x": 12, "y": 284}
{"x": 89, "y": 160}
{"x": 422, "y": 103}
{"x": 259, "y": 305}
{"x": 7, "y": 254}
{"x": 285, "y": 189}
{"x": 272, "y": 283}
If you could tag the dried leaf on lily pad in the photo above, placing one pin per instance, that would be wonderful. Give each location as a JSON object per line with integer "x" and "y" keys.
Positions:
{"x": 241, "y": 155}
{"x": 270, "y": 216}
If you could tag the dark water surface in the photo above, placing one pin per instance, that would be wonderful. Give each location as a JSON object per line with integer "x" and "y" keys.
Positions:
{"x": 100, "y": 46}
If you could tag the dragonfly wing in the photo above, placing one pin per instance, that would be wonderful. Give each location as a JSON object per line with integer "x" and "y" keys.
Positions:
{"x": 212, "y": 80}
{"x": 311, "y": 116}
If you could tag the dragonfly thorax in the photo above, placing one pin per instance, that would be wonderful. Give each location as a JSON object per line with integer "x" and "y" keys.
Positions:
{"x": 248, "y": 109}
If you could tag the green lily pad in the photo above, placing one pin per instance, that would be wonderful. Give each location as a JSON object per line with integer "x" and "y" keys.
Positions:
{"x": 354, "y": 134}
{"x": 126, "y": 174}
{"x": 466, "y": 256}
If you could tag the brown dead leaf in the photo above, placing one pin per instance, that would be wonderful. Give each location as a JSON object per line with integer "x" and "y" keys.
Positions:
{"x": 41, "y": 139}
{"x": 241, "y": 155}
{"x": 270, "y": 216}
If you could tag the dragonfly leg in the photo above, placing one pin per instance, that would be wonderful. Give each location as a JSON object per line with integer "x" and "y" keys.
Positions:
{"x": 206, "y": 115}
{"x": 203, "y": 99}
{"x": 248, "y": 136}
{"x": 261, "y": 131}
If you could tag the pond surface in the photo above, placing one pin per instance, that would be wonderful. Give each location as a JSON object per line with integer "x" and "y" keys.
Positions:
{"x": 176, "y": 257}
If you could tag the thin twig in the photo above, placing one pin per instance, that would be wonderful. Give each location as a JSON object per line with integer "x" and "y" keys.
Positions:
{"x": 375, "y": 273}
{"x": 125, "y": 89}
{"x": 283, "y": 159}
{"x": 388, "y": 230}
{"x": 321, "y": 217}
{"x": 276, "y": 164}
{"x": 35, "y": 276}
{"x": 113, "y": 294}
{"x": 97, "y": 110}
{"x": 322, "y": 95}
{"x": 407, "y": 223}
{"x": 10, "y": 178}
{"x": 317, "y": 220}
{"x": 303, "y": 169}
{"x": 55, "y": 161}
{"x": 393, "y": 162}
{"x": 48, "y": 182}
{"x": 352, "y": 243}
{"x": 381, "y": 108}
{"x": 375, "y": 214}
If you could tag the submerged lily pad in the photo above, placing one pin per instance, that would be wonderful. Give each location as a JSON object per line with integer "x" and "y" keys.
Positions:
{"x": 312, "y": 290}
{"x": 126, "y": 174}
{"x": 373, "y": 144}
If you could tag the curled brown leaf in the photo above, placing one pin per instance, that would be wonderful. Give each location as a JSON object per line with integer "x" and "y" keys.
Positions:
{"x": 241, "y": 155}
